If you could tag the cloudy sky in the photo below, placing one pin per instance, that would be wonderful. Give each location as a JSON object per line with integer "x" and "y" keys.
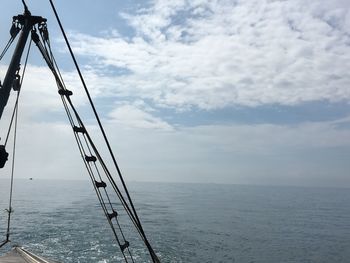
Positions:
{"x": 222, "y": 91}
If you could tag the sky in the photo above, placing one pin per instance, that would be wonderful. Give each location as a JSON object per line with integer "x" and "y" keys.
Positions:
{"x": 221, "y": 91}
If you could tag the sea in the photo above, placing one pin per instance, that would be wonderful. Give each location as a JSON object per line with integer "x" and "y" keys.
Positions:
{"x": 62, "y": 220}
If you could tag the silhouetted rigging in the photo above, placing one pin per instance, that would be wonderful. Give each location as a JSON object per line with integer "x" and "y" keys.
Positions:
{"x": 100, "y": 175}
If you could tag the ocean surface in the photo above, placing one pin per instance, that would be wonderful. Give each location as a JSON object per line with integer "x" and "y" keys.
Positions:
{"x": 184, "y": 222}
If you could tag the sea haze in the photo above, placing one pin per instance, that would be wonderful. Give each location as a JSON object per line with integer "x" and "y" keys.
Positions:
{"x": 184, "y": 222}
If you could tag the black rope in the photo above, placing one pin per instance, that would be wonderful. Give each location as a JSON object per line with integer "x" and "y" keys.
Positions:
{"x": 10, "y": 210}
{"x": 91, "y": 175}
{"x": 152, "y": 253}
{"x": 50, "y": 60}
{"x": 88, "y": 141}
{"x": 14, "y": 118}
{"x": 3, "y": 243}
{"x": 98, "y": 193}
{"x": 6, "y": 48}
{"x": 13, "y": 32}
{"x": 107, "y": 195}
{"x": 93, "y": 179}
{"x": 92, "y": 104}
{"x": 10, "y": 125}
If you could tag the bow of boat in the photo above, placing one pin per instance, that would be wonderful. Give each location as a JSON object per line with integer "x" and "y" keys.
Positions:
{"x": 21, "y": 255}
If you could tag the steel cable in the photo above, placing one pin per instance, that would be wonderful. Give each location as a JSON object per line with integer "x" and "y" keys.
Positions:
{"x": 151, "y": 251}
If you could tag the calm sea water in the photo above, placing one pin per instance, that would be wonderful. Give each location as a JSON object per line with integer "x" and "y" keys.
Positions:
{"x": 185, "y": 222}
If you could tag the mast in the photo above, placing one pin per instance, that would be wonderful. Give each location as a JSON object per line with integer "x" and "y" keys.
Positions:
{"x": 26, "y": 21}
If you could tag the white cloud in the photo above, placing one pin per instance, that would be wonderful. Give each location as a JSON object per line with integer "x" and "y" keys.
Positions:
{"x": 205, "y": 54}
{"x": 211, "y": 54}
{"x": 137, "y": 116}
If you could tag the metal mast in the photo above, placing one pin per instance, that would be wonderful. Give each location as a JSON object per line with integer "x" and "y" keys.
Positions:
{"x": 26, "y": 21}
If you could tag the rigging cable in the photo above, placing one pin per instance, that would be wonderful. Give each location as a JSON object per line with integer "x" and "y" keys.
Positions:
{"x": 10, "y": 210}
{"x": 150, "y": 249}
{"x": 6, "y": 48}
{"x": 14, "y": 118}
{"x": 15, "y": 28}
{"x": 51, "y": 62}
